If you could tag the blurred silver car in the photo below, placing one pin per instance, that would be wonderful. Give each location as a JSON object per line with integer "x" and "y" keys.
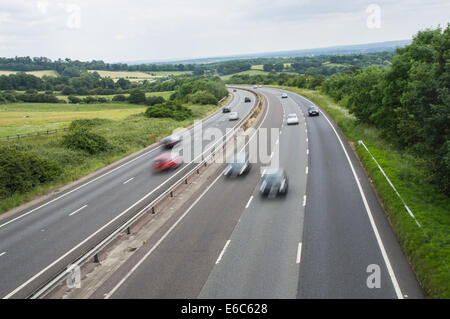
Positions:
{"x": 233, "y": 116}
{"x": 284, "y": 95}
{"x": 239, "y": 165}
{"x": 274, "y": 182}
{"x": 292, "y": 119}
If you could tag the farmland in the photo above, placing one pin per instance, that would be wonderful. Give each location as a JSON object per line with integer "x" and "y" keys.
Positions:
{"x": 22, "y": 118}
{"x": 139, "y": 76}
{"x": 35, "y": 73}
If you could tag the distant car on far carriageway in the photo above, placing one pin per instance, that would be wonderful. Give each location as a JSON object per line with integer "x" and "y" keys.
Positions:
{"x": 233, "y": 116}
{"x": 313, "y": 111}
{"x": 171, "y": 141}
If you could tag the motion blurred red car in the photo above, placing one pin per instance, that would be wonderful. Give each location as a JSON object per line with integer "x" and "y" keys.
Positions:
{"x": 166, "y": 161}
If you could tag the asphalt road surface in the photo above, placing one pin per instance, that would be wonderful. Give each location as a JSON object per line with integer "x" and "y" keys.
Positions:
{"x": 328, "y": 238}
{"x": 37, "y": 242}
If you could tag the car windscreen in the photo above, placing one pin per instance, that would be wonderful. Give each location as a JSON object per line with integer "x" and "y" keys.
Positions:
{"x": 272, "y": 178}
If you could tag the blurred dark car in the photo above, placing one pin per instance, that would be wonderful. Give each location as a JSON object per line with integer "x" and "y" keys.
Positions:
{"x": 274, "y": 182}
{"x": 313, "y": 111}
{"x": 171, "y": 141}
{"x": 226, "y": 109}
{"x": 247, "y": 99}
{"x": 166, "y": 161}
{"x": 239, "y": 165}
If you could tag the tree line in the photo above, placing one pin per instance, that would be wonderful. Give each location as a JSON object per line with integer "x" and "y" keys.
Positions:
{"x": 312, "y": 65}
{"x": 408, "y": 102}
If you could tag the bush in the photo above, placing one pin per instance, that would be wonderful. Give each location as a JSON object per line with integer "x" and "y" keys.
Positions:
{"x": 203, "y": 97}
{"x": 170, "y": 109}
{"x": 137, "y": 96}
{"x": 119, "y": 98}
{"x": 74, "y": 99}
{"x": 153, "y": 100}
{"x": 82, "y": 139}
{"x": 31, "y": 96}
{"x": 21, "y": 171}
{"x": 90, "y": 99}
{"x": 86, "y": 123}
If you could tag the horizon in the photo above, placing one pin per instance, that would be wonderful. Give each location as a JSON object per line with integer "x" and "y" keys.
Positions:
{"x": 175, "y": 30}
{"x": 254, "y": 55}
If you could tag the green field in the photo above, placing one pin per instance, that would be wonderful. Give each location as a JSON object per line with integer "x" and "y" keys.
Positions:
{"x": 19, "y": 118}
{"x": 428, "y": 248}
{"x": 166, "y": 95}
{"x": 35, "y": 73}
{"x": 257, "y": 67}
{"x": 126, "y": 133}
{"x": 138, "y": 76}
{"x": 249, "y": 72}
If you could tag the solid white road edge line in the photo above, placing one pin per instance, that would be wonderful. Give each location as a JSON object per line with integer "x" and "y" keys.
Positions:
{"x": 178, "y": 220}
{"x": 369, "y": 213}
{"x": 91, "y": 181}
{"x": 12, "y": 293}
{"x": 161, "y": 239}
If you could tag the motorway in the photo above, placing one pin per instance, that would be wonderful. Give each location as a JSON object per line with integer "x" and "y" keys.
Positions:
{"x": 328, "y": 238}
{"x": 45, "y": 238}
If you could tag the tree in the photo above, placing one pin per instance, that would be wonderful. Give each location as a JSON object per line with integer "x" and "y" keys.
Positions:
{"x": 137, "y": 96}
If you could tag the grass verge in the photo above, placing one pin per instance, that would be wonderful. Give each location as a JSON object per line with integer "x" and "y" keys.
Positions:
{"x": 126, "y": 136}
{"x": 428, "y": 248}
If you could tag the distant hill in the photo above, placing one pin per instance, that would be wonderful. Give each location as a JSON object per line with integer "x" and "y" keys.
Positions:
{"x": 343, "y": 49}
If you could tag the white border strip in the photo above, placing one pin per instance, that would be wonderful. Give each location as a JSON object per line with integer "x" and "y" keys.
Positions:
{"x": 392, "y": 185}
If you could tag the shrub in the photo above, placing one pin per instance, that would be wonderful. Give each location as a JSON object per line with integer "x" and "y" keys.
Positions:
{"x": 153, "y": 100}
{"x": 137, "y": 96}
{"x": 170, "y": 109}
{"x": 202, "y": 97}
{"x": 119, "y": 98}
{"x": 86, "y": 123}
{"x": 82, "y": 139}
{"x": 21, "y": 171}
{"x": 74, "y": 99}
{"x": 90, "y": 99}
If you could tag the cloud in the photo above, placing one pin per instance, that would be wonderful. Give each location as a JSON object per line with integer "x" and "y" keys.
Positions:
{"x": 169, "y": 29}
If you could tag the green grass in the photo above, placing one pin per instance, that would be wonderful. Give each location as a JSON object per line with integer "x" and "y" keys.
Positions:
{"x": 127, "y": 136}
{"x": 249, "y": 72}
{"x": 20, "y": 118}
{"x": 138, "y": 76}
{"x": 257, "y": 67}
{"x": 164, "y": 94}
{"x": 428, "y": 249}
{"x": 35, "y": 73}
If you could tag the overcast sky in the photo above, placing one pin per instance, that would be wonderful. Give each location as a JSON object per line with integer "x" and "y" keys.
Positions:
{"x": 173, "y": 29}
